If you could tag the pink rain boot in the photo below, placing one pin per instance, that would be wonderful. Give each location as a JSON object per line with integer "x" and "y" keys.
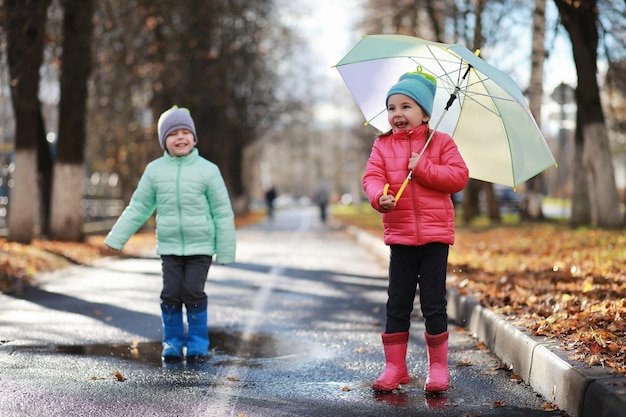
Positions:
{"x": 395, "y": 373}
{"x": 438, "y": 376}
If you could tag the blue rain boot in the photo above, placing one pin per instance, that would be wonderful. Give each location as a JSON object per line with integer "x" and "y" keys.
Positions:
{"x": 197, "y": 333}
{"x": 173, "y": 332}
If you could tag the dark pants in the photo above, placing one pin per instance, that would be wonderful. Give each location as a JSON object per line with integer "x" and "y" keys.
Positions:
{"x": 409, "y": 267}
{"x": 184, "y": 278}
{"x": 323, "y": 211}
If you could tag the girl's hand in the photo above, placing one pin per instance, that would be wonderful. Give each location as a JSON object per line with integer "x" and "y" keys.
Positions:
{"x": 387, "y": 202}
{"x": 413, "y": 160}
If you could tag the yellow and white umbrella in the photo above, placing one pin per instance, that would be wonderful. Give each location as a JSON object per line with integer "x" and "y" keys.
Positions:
{"x": 485, "y": 111}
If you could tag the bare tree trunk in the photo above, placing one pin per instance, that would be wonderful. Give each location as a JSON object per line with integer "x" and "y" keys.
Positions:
{"x": 581, "y": 206}
{"x": 493, "y": 208}
{"x": 437, "y": 19}
{"x": 479, "y": 38}
{"x": 470, "y": 201}
{"x": 398, "y": 13}
{"x": 531, "y": 199}
{"x": 23, "y": 196}
{"x": 25, "y": 38}
{"x": 69, "y": 172}
{"x": 471, "y": 208}
{"x": 580, "y": 20}
{"x": 605, "y": 210}
{"x": 44, "y": 178}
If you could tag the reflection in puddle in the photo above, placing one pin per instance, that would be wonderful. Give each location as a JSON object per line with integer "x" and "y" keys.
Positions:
{"x": 396, "y": 397}
{"x": 225, "y": 347}
{"x": 436, "y": 401}
{"x": 149, "y": 353}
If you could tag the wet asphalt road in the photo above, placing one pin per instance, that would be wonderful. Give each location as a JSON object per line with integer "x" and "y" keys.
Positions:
{"x": 295, "y": 331}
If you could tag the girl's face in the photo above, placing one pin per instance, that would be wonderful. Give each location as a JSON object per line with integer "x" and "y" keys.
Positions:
{"x": 404, "y": 113}
{"x": 180, "y": 142}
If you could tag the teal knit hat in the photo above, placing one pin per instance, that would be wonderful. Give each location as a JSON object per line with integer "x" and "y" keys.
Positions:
{"x": 173, "y": 119}
{"x": 418, "y": 85}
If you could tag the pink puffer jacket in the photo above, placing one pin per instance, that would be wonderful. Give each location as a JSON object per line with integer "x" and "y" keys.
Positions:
{"x": 424, "y": 213}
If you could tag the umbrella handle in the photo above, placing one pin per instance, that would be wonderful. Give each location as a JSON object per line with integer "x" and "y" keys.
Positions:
{"x": 401, "y": 190}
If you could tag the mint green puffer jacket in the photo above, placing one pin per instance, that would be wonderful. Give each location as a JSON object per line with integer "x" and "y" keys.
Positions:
{"x": 194, "y": 213}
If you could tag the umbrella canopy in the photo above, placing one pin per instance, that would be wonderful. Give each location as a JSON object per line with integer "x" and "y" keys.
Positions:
{"x": 485, "y": 111}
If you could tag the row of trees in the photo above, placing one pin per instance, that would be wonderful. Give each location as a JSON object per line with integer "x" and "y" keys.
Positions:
{"x": 594, "y": 27}
{"x": 119, "y": 63}
{"x": 25, "y": 28}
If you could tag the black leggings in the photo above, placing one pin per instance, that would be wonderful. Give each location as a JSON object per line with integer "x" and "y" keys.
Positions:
{"x": 409, "y": 267}
{"x": 184, "y": 278}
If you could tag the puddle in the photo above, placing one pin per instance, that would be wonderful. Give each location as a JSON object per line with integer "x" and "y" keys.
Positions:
{"x": 225, "y": 347}
{"x": 149, "y": 352}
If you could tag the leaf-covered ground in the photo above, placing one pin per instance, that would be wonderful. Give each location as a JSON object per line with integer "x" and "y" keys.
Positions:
{"x": 20, "y": 263}
{"x": 557, "y": 282}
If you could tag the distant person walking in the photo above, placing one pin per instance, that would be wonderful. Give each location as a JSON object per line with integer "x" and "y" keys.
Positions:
{"x": 270, "y": 196}
{"x": 195, "y": 221}
{"x": 321, "y": 199}
{"x": 418, "y": 227}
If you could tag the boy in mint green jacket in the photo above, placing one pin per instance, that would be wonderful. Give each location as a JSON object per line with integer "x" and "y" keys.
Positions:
{"x": 194, "y": 221}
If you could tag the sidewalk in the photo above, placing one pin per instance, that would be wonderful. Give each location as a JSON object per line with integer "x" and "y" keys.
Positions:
{"x": 575, "y": 388}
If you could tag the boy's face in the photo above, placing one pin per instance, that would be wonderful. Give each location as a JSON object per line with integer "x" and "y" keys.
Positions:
{"x": 404, "y": 113}
{"x": 180, "y": 142}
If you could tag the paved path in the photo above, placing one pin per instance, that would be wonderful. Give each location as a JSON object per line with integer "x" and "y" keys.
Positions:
{"x": 295, "y": 331}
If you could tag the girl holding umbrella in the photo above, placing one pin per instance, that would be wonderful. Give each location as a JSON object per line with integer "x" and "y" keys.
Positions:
{"x": 419, "y": 228}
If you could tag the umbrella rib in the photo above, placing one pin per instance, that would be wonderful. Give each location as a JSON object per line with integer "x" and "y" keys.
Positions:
{"x": 458, "y": 83}
{"x": 475, "y": 94}
{"x": 376, "y": 115}
{"x": 451, "y": 85}
{"x": 471, "y": 96}
{"x": 446, "y": 73}
{"x": 482, "y": 81}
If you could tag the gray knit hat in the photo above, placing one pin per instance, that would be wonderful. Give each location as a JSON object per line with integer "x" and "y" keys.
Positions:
{"x": 174, "y": 119}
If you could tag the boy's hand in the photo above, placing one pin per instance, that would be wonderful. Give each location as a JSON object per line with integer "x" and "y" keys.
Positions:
{"x": 111, "y": 250}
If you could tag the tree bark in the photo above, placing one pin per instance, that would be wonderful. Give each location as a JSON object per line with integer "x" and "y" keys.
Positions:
{"x": 493, "y": 206}
{"x": 581, "y": 206}
{"x": 66, "y": 214}
{"x": 470, "y": 201}
{"x": 580, "y": 21}
{"x": 533, "y": 194}
{"x": 44, "y": 178}
{"x": 25, "y": 39}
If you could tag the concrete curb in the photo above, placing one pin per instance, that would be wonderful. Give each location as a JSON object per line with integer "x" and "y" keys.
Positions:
{"x": 576, "y": 389}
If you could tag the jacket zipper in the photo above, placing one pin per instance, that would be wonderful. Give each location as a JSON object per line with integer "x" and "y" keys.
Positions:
{"x": 413, "y": 202}
{"x": 179, "y": 207}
